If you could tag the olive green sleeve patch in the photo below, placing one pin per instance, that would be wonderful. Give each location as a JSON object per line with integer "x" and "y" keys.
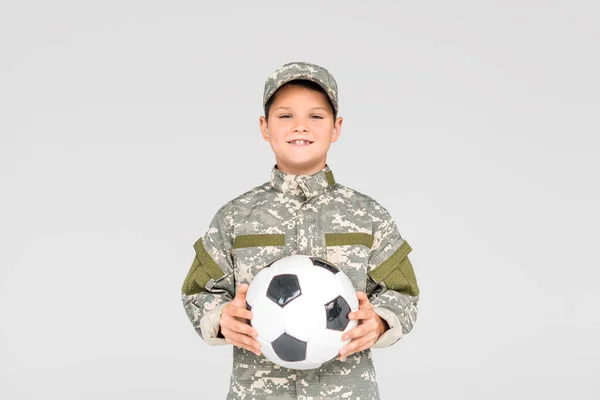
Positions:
{"x": 348, "y": 238}
{"x": 397, "y": 272}
{"x": 207, "y": 262}
{"x": 196, "y": 279}
{"x": 203, "y": 269}
{"x": 268, "y": 239}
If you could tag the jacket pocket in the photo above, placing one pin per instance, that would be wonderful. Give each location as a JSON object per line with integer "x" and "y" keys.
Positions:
{"x": 350, "y": 252}
{"x": 251, "y": 253}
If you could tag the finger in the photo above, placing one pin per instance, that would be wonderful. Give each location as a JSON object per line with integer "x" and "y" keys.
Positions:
{"x": 239, "y": 312}
{"x": 243, "y": 341}
{"x": 236, "y": 326}
{"x": 363, "y": 300}
{"x": 360, "y": 330}
{"x": 367, "y": 342}
{"x": 242, "y": 345}
{"x": 356, "y": 345}
{"x": 240, "y": 295}
{"x": 365, "y": 313}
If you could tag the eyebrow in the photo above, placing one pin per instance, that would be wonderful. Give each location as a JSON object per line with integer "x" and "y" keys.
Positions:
{"x": 289, "y": 108}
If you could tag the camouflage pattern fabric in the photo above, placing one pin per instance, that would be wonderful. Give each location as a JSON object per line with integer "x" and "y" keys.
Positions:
{"x": 306, "y": 210}
{"x": 302, "y": 70}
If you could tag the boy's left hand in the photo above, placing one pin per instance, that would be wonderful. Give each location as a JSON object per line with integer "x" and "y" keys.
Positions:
{"x": 370, "y": 327}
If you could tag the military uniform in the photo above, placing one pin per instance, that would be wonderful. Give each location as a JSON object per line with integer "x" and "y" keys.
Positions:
{"x": 312, "y": 215}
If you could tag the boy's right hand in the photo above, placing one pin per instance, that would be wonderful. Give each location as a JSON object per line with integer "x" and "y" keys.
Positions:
{"x": 233, "y": 325}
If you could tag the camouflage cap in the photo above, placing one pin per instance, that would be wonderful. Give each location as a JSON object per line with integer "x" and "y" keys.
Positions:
{"x": 301, "y": 70}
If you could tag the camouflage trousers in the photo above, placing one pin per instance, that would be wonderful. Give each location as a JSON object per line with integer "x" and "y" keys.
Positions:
{"x": 256, "y": 378}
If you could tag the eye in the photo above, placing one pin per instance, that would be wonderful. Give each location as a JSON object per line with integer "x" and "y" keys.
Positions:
{"x": 316, "y": 116}
{"x": 285, "y": 116}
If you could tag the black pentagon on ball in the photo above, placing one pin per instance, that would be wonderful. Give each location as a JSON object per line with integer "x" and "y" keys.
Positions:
{"x": 320, "y": 262}
{"x": 288, "y": 348}
{"x": 337, "y": 314}
{"x": 283, "y": 289}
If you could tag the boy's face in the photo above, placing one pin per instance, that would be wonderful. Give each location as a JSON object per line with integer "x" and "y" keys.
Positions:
{"x": 300, "y": 113}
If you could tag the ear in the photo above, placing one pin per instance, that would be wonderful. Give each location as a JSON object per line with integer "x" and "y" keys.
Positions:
{"x": 264, "y": 129}
{"x": 337, "y": 129}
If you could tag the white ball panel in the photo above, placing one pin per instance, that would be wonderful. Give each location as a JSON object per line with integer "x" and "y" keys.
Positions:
{"x": 347, "y": 290}
{"x": 325, "y": 347}
{"x": 304, "y": 318}
{"x": 319, "y": 284}
{"x": 258, "y": 286}
{"x": 290, "y": 264}
{"x": 267, "y": 319}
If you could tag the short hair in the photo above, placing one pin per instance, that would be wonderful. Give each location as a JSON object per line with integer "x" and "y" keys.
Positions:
{"x": 305, "y": 84}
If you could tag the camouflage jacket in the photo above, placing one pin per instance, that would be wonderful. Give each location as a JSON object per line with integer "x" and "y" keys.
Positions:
{"x": 312, "y": 215}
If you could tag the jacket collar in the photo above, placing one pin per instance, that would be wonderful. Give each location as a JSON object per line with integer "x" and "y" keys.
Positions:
{"x": 307, "y": 185}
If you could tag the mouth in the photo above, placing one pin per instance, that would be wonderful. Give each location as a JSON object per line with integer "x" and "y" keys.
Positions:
{"x": 300, "y": 142}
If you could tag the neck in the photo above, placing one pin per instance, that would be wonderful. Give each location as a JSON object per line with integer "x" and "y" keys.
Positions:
{"x": 300, "y": 169}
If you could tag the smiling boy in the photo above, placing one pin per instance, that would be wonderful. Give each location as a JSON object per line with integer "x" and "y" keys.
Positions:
{"x": 302, "y": 210}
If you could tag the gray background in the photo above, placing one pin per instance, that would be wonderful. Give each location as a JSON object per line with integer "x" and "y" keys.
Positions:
{"x": 125, "y": 125}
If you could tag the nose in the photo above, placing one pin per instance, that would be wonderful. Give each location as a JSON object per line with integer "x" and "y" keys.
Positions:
{"x": 300, "y": 126}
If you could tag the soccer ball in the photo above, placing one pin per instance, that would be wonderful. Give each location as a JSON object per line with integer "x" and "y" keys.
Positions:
{"x": 300, "y": 307}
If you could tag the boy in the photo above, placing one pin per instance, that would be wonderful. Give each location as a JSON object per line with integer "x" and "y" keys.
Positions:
{"x": 302, "y": 210}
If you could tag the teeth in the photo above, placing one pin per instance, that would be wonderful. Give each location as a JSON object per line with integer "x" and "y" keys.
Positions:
{"x": 299, "y": 142}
